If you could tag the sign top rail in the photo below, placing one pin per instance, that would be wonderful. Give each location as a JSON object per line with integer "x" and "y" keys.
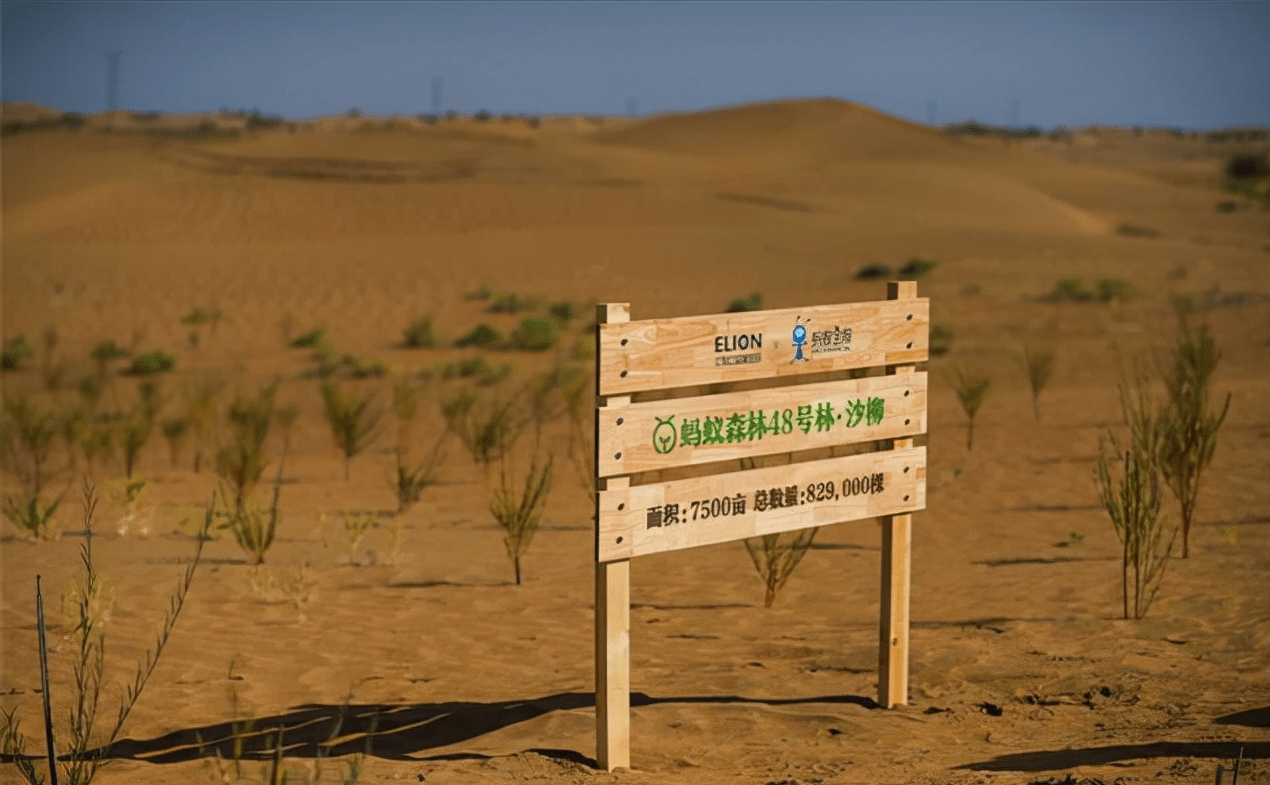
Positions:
{"x": 656, "y": 354}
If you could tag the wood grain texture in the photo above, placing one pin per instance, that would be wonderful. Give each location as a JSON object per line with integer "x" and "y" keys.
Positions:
{"x": 628, "y": 436}
{"x": 624, "y": 529}
{"x": 667, "y": 353}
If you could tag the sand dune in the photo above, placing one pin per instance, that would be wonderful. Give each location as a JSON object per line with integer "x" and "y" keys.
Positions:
{"x": 1021, "y": 669}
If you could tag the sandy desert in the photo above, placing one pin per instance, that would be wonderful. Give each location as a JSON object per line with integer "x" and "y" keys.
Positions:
{"x": 415, "y": 648}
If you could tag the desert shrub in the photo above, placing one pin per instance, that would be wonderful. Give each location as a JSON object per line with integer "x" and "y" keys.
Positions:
{"x": 200, "y": 394}
{"x": 354, "y": 422}
{"x": 308, "y": 340}
{"x": 152, "y": 363}
{"x": 1132, "y": 498}
{"x": 519, "y": 509}
{"x": 419, "y": 334}
{"x": 134, "y": 432}
{"x": 1227, "y": 206}
{"x": 476, "y": 368}
{"x": 200, "y": 315}
{"x": 1115, "y": 290}
{"x": 917, "y": 267}
{"x": 16, "y": 351}
{"x": 941, "y": 338}
{"x": 873, "y": 272}
{"x": 1070, "y": 290}
{"x": 358, "y": 368}
{"x": 241, "y": 461}
{"x": 1039, "y": 365}
{"x": 105, "y": 351}
{"x": 1188, "y": 428}
{"x": 411, "y": 477}
{"x": 534, "y": 335}
{"x": 481, "y": 336}
{"x": 972, "y": 389}
{"x": 1132, "y": 230}
{"x": 253, "y": 526}
{"x": 752, "y": 302}
{"x": 775, "y": 556}
{"x": 486, "y": 428}
{"x": 562, "y": 312}
{"x": 509, "y": 303}
{"x": 174, "y": 431}
{"x": 481, "y": 116}
{"x": 86, "y": 641}
{"x": 1248, "y": 166}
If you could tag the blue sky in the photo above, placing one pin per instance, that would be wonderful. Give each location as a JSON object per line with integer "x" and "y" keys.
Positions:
{"x": 1196, "y": 64}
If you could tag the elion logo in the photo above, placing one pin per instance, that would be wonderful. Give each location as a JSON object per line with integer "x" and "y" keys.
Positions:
{"x": 728, "y": 349}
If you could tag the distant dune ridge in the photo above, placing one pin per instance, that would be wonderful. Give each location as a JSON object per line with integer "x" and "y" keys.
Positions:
{"x": 222, "y": 238}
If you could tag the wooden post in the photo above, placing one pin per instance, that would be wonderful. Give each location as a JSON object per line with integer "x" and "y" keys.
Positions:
{"x": 612, "y": 604}
{"x": 896, "y": 564}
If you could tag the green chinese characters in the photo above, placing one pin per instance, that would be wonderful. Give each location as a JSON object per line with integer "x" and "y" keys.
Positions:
{"x": 752, "y": 426}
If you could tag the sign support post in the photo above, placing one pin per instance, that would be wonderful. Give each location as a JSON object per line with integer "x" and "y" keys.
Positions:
{"x": 896, "y": 568}
{"x": 612, "y": 605}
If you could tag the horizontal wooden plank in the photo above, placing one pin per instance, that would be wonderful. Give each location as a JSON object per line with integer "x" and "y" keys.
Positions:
{"x": 691, "y": 431}
{"x": 664, "y": 353}
{"x": 645, "y": 519}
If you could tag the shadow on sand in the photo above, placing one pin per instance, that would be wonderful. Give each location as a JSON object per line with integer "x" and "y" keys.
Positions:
{"x": 395, "y": 731}
{"x": 1048, "y": 760}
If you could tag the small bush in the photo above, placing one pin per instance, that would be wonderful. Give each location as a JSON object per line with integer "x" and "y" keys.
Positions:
{"x": 1070, "y": 290}
{"x": 1131, "y": 230}
{"x": 354, "y": 423}
{"x": 200, "y": 316}
{"x": 307, "y": 340}
{"x": 481, "y": 116}
{"x": 476, "y": 368}
{"x": 1247, "y": 166}
{"x": 107, "y": 350}
{"x": 972, "y": 390}
{"x": 1227, "y": 207}
{"x": 742, "y": 304}
{"x": 561, "y": 312}
{"x": 1115, "y": 290}
{"x": 151, "y": 363}
{"x": 775, "y": 556}
{"x": 509, "y": 303}
{"x": 16, "y": 352}
{"x": 873, "y": 272}
{"x": 917, "y": 267}
{"x": 420, "y": 335}
{"x": 482, "y": 336}
{"x": 1039, "y": 366}
{"x": 941, "y": 338}
{"x": 518, "y": 511}
{"x": 534, "y": 335}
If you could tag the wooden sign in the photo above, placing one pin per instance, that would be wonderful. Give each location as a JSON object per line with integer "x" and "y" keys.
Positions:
{"x": 666, "y": 353}
{"x": 692, "y": 431}
{"x": 781, "y": 418}
{"x": 669, "y": 516}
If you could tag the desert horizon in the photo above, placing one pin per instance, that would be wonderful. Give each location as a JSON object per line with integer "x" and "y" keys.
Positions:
{"x": 245, "y": 258}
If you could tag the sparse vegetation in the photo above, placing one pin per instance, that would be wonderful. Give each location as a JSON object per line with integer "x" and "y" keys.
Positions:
{"x": 253, "y": 526}
{"x": 519, "y": 510}
{"x": 482, "y": 337}
{"x": 562, "y": 312}
{"x": 1133, "y": 230}
{"x": 917, "y": 267}
{"x": 83, "y": 751}
{"x": 26, "y": 442}
{"x": 971, "y": 388}
{"x": 1188, "y": 428}
{"x": 509, "y": 303}
{"x": 1115, "y": 290}
{"x": 15, "y": 353}
{"x": 873, "y": 272}
{"x": 152, "y": 363}
{"x": 308, "y": 339}
{"x": 420, "y": 334}
{"x": 1039, "y": 366}
{"x": 487, "y": 428}
{"x": 1132, "y": 498}
{"x": 1071, "y": 290}
{"x": 174, "y": 431}
{"x": 476, "y": 368}
{"x": 941, "y": 338}
{"x": 776, "y": 555}
{"x": 354, "y": 422}
{"x": 534, "y": 335}
{"x": 241, "y": 461}
{"x": 753, "y": 302}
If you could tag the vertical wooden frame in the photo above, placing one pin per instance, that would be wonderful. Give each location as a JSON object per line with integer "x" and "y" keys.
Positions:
{"x": 896, "y": 566}
{"x": 612, "y": 602}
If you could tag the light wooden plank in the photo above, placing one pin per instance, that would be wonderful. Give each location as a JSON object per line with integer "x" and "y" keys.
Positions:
{"x": 666, "y": 353}
{"x": 612, "y": 610}
{"x": 897, "y": 532}
{"x": 629, "y": 525}
{"x": 692, "y": 431}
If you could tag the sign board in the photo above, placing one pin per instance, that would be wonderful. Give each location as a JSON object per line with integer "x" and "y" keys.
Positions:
{"x": 795, "y": 415}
